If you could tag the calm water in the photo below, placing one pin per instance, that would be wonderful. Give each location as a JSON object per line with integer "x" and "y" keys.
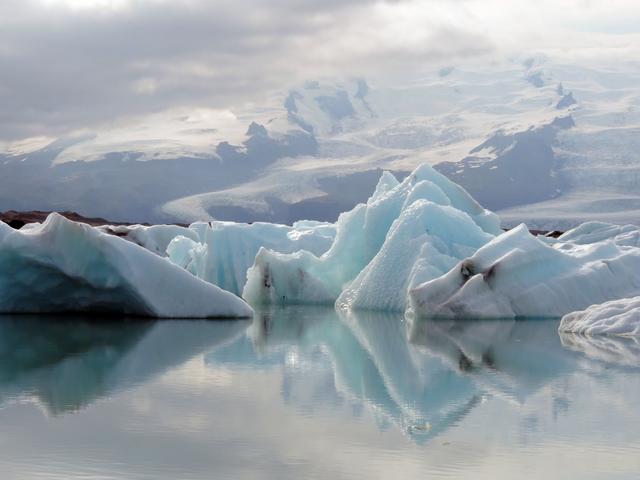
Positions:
{"x": 306, "y": 393}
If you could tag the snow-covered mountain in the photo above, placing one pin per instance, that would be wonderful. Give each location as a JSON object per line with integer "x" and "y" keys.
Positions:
{"x": 549, "y": 143}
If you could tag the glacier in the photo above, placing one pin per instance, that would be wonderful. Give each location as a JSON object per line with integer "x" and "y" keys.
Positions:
{"x": 63, "y": 266}
{"x": 615, "y": 317}
{"x": 486, "y": 127}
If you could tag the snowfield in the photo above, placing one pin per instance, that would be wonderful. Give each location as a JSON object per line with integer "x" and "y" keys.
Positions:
{"x": 537, "y": 140}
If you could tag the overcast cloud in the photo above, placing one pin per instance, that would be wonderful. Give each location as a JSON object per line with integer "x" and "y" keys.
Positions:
{"x": 72, "y": 64}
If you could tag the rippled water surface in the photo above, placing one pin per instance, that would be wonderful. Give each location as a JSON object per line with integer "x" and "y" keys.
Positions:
{"x": 309, "y": 393}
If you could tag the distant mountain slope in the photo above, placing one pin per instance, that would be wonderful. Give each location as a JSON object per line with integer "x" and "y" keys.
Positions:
{"x": 537, "y": 140}
{"x": 520, "y": 168}
{"x": 123, "y": 187}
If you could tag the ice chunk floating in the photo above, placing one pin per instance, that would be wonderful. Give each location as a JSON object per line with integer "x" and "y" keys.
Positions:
{"x": 222, "y": 252}
{"x": 155, "y": 238}
{"x": 63, "y": 266}
{"x": 423, "y": 246}
{"x": 616, "y": 317}
{"x": 519, "y": 275}
{"x": 423, "y": 243}
{"x": 361, "y": 234}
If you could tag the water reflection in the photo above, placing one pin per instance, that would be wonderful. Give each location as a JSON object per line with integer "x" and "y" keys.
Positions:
{"x": 311, "y": 393}
{"x": 423, "y": 377}
{"x": 506, "y": 357}
{"x": 65, "y": 363}
{"x": 610, "y": 351}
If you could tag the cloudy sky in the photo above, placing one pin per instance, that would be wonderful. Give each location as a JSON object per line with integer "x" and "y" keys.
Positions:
{"x": 67, "y": 65}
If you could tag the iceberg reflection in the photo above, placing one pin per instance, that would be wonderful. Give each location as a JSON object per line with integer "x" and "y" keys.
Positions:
{"x": 610, "y": 351}
{"x": 65, "y": 363}
{"x": 424, "y": 376}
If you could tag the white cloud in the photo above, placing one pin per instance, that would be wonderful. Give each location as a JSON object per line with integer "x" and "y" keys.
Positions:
{"x": 87, "y": 4}
{"x": 75, "y": 63}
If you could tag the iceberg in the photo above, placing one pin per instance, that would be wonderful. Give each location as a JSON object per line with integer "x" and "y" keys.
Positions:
{"x": 222, "y": 252}
{"x": 425, "y": 242}
{"x": 616, "y": 317}
{"x": 519, "y": 275}
{"x": 155, "y": 238}
{"x": 422, "y": 246}
{"x": 63, "y": 266}
{"x": 305, "y": 278}
{"x": 592, "y": 232}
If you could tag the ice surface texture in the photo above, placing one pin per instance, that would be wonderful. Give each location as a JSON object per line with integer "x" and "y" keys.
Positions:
{"x": 393, "y": 231}
{"x": 222, "y": 252}
{"x": 616, "y": 317}
{"x": 519, "y": 275}
{"x": 155, "y": 238}
{"x": 426, "y": 241}
{"x": 63, "y": 266}
{"x": 423, "y": 246}
{"x": 592, "y": 232}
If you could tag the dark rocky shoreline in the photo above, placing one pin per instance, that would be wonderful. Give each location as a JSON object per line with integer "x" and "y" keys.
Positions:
{"x": 17, "y": 220}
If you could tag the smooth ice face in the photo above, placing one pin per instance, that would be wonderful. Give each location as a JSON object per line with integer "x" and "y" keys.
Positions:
{"x": 616, "y": 317}
{"x": 303, "y": 277}
{"x": 63, "y": 266}
{"x": 222, "y": 252}
{"x": 519, "y": 275}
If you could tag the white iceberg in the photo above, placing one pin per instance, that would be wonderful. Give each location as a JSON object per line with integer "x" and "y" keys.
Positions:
{"x": 63, "y": 266}
{"x": 616, "y": 317}
{"x": 592, "y": 232}
{"x": 155, "y": 238}
{"x": 305, "y": 278}
{"x": 425, "y": 242}
{"x": 221, "y": 252}
{"x": 519, "y": 275}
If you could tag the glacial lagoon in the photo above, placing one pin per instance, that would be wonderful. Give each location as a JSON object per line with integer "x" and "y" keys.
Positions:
{"x": 314, "y": 393}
